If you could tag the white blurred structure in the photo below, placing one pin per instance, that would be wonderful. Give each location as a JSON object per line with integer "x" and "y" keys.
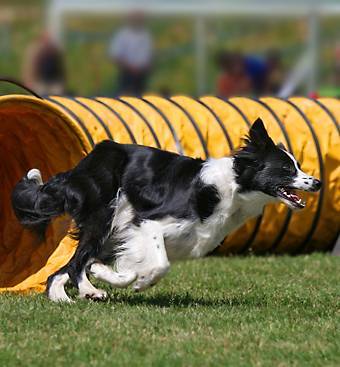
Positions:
{"x": 200, "y": 10}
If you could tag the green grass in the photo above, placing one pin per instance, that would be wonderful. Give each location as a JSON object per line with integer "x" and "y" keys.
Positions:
{"x": 271, "y": 311}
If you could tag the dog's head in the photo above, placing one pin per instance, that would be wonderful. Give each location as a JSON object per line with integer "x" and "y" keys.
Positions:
{"x": 263, "y": 166}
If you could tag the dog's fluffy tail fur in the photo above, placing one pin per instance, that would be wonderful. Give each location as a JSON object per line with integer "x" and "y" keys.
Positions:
{"x": 36, "y": 203}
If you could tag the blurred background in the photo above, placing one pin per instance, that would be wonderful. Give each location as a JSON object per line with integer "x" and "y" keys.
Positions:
{"x": 194, "y": 47}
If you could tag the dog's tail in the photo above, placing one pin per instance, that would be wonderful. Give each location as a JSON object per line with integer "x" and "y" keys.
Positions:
{"x": 36, "y": 203}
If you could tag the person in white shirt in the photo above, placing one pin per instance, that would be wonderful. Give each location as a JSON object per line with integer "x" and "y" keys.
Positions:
{"x": 132, "y": 50}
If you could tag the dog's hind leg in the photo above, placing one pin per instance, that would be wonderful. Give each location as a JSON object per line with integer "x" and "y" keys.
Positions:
{"x": 74, "y": 271}
{"x": 56, "y": 286}
{"x": 87, "y": 290}
{"x": 92, "y": 236}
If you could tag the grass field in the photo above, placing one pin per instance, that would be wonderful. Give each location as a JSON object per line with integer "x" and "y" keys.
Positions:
{"x": 269, "y": 311}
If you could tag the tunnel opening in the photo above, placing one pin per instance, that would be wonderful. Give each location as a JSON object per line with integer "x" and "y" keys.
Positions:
{"x": 32, "y": 135}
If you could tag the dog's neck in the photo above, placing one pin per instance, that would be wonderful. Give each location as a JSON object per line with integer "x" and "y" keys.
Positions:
{"x": 234, "y": 199}
{"x": 252, "y": 203}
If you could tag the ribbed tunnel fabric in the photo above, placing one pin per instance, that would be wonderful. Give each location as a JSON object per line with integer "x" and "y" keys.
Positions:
{"x": 55, "y": 133}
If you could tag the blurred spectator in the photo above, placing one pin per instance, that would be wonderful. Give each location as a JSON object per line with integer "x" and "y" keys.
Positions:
{"x": 165, "y": 91}
{"x": 44, "y": 70}
{"x": 233, "y": 79}
{"x": 337, "y": 65}
{"x": 274, "y": 74}
{"x": 132, "y": 50}
{"x": 256, "y": 69}
{"x": 250, "y": 74}
{"x": 265, "y": 73}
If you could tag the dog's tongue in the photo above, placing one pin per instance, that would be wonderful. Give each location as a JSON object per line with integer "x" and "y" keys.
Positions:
{"x": 297, "y": 200}
{"x": 294, "y": 196}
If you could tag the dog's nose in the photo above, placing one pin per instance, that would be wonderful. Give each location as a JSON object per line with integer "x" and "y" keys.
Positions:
{"x": 316, "y": 184}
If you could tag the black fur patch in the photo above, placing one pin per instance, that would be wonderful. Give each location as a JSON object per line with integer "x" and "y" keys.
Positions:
{"x": 261, "y": 165}
{"x": 207, "y": 197}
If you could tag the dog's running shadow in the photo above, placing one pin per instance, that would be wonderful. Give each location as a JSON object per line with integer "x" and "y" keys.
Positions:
{"x": 182, "y": 300}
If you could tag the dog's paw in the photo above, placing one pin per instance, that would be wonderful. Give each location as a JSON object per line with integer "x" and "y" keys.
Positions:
{"x": 149, "y": 279}
{"x": 64, "y": 298}
{"x": 97, "y": 295}
{"x": 56, "y": 288}
{"x": 142, "y": 283}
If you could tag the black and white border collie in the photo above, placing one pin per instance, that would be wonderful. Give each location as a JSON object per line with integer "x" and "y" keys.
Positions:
{"x": 137, "y": 209}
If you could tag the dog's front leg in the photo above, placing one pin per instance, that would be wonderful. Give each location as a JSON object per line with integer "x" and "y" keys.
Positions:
{"x": 145, "y": 254}
{"x": 107, "y": 274}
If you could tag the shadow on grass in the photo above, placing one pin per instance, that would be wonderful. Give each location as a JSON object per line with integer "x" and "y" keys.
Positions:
{"x": 186, "y": 300}
{"x": 249, "y": 298}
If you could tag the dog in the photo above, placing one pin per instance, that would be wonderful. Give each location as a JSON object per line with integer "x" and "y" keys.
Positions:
{"x": 137, "y": 209}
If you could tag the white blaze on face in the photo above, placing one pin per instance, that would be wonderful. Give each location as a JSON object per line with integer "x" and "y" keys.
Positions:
{"x": 302, "y": 181}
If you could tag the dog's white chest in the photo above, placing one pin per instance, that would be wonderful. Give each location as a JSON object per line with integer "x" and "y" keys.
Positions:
{"x": 185, "y": 239}
{"x": 191, "y": 239}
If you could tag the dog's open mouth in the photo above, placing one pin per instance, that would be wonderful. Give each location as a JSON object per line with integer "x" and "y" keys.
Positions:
{"x": 290, "y": 198}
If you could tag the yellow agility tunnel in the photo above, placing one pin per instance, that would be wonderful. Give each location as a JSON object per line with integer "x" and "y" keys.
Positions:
{"x": 54, "y": 133}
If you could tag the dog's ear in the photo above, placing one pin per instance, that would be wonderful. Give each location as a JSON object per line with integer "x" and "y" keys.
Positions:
{"x": 257, "y": 144}
{"x": 258, "y": 135}
{"x": 281, "y": 146}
